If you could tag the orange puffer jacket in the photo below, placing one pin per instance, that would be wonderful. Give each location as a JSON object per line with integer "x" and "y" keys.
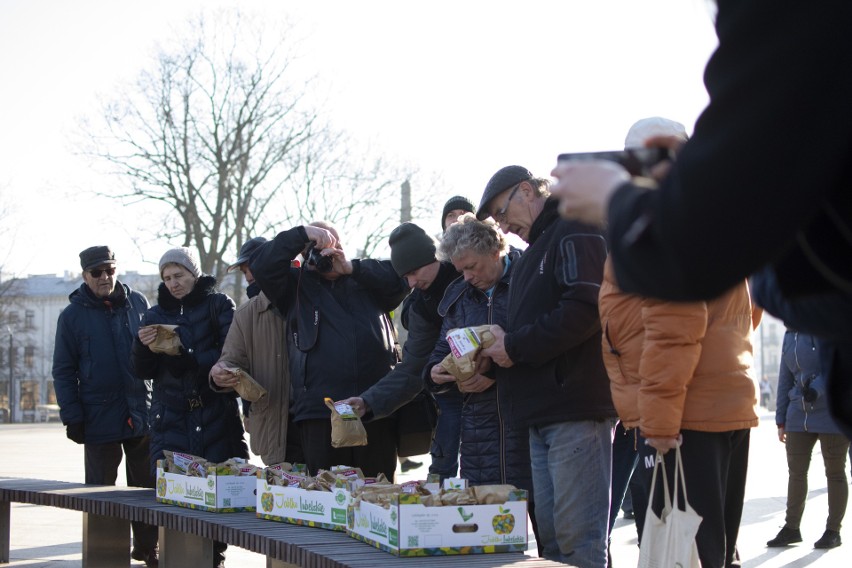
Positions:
{"x": 679, "y": 366}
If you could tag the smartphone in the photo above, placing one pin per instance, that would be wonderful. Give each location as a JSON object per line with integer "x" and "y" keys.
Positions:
{"x": 637, "y": 161}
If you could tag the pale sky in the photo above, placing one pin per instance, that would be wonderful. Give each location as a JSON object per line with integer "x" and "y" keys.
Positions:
{"x": 461, "y": 88}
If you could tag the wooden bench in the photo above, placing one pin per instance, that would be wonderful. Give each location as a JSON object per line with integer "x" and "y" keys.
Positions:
{"x": 187, "y": 535}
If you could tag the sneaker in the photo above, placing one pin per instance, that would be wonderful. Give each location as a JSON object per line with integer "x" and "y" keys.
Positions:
{"x": 408, "y": 465}
{"x": 785, "y": 537}
{"x": 829, "y": 539}
{"x": 151, "y": 558}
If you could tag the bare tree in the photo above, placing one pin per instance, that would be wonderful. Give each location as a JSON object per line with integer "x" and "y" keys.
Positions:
{"x": 10, "y": 307}
{"x": 221, "y": 134}
{"x": 8, "y": 283}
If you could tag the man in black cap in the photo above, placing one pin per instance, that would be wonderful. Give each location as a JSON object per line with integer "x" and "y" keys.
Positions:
{"x": 551, "y": 348}
{"x": 102, "y": 404}
{"x": 256, "y": 343}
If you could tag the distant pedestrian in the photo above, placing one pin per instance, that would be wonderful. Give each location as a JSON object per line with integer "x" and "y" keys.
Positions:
{"x": 765, "y": 391}
{"x": 101, "y": 402}
{"x": 803, "y": 418}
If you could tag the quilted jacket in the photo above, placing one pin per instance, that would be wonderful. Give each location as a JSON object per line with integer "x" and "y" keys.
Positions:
{"x": 679, "y": 366}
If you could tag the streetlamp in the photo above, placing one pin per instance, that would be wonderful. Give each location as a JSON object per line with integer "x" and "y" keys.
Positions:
{"x": 11, "y": 375}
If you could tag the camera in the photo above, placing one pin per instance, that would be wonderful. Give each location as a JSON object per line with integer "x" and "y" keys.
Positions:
{"x": 637, "y": 161}
{"x": 321, "y": 263}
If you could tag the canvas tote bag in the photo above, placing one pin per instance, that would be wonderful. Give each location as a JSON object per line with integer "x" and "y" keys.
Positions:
{"x": 668, "y": 541}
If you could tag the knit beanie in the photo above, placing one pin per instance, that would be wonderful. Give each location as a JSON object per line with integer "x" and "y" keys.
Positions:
{"x": 411, "y": 248}
{"x": 456, "y": 202}
{"x": 183, "y": 256}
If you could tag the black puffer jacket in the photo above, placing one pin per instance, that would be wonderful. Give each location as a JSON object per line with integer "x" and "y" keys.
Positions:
{"x": 187, "y": 416}
{"x": 494, "y": 450}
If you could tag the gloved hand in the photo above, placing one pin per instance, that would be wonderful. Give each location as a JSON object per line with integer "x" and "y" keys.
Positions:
{"x": 75, "y": 432}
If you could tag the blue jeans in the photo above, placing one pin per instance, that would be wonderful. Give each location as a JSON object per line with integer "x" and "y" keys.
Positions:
{"x": 445, "y": 445}
{"x": 571, "y": 468}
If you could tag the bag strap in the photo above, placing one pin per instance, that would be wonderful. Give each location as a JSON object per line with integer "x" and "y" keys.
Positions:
{"x": 659, "y": 465}
{"x": 679, "y": 479}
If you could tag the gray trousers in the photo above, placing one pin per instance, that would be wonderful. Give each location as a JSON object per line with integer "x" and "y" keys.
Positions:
{"x": 834, "y": 447}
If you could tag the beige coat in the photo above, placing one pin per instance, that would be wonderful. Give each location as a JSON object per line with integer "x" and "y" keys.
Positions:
{"x": 679, "y": 366}
{"x": 256, "y": 343}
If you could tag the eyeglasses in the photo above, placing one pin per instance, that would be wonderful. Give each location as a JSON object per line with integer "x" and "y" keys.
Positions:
{"x": 500, "y": 216}
{"x": 97, "y": 272}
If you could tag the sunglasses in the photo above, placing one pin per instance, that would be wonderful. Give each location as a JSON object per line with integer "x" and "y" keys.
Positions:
{"x": 97, "y": 272}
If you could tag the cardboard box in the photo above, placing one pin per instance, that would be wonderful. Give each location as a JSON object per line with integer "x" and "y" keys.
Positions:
{"x": 299, "y": 506}
{"x": 409, "y": 528}
{"x": 215, "y": 493}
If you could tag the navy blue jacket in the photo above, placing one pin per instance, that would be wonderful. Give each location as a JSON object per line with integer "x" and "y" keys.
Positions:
{"x": 92, "y": 375}
{"x": 494, "y": 448}
{"x": 210, "y": 426}
{"x": 801, "y": 369}
{"x": 340, "y": 337}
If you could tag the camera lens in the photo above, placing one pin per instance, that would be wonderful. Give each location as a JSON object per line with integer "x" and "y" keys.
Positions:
{"x": 321, "y": 263}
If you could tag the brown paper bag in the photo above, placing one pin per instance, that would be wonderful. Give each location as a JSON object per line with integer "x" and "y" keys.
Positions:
{"x": 465, "y": 343}
{"x": 346, "y": 427}
{"x": 167, "y": 341}
{"x": 248, "y": 388}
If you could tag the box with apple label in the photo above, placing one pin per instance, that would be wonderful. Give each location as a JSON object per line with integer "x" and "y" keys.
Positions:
{"x": 410, "y": 528}
{"x": 292, "y": 504}
{"x": 216, "y": 492}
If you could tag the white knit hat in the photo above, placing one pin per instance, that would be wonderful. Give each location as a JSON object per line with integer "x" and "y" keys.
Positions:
{"x": 652, "y": 126}
{"x": 183, "y": 256}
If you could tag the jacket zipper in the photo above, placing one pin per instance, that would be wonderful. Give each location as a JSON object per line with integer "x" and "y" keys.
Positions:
{"x": 501, "y": 434}
{"x": 799, "y": 379}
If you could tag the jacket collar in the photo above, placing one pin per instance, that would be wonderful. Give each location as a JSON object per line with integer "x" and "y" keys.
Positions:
{"x": 205, "y": 286}
{"x": 455, "y": 292}
{"x": 84, "y": 296}
{"x": 549, "y": 214}
{"x": 446, "y": 274}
